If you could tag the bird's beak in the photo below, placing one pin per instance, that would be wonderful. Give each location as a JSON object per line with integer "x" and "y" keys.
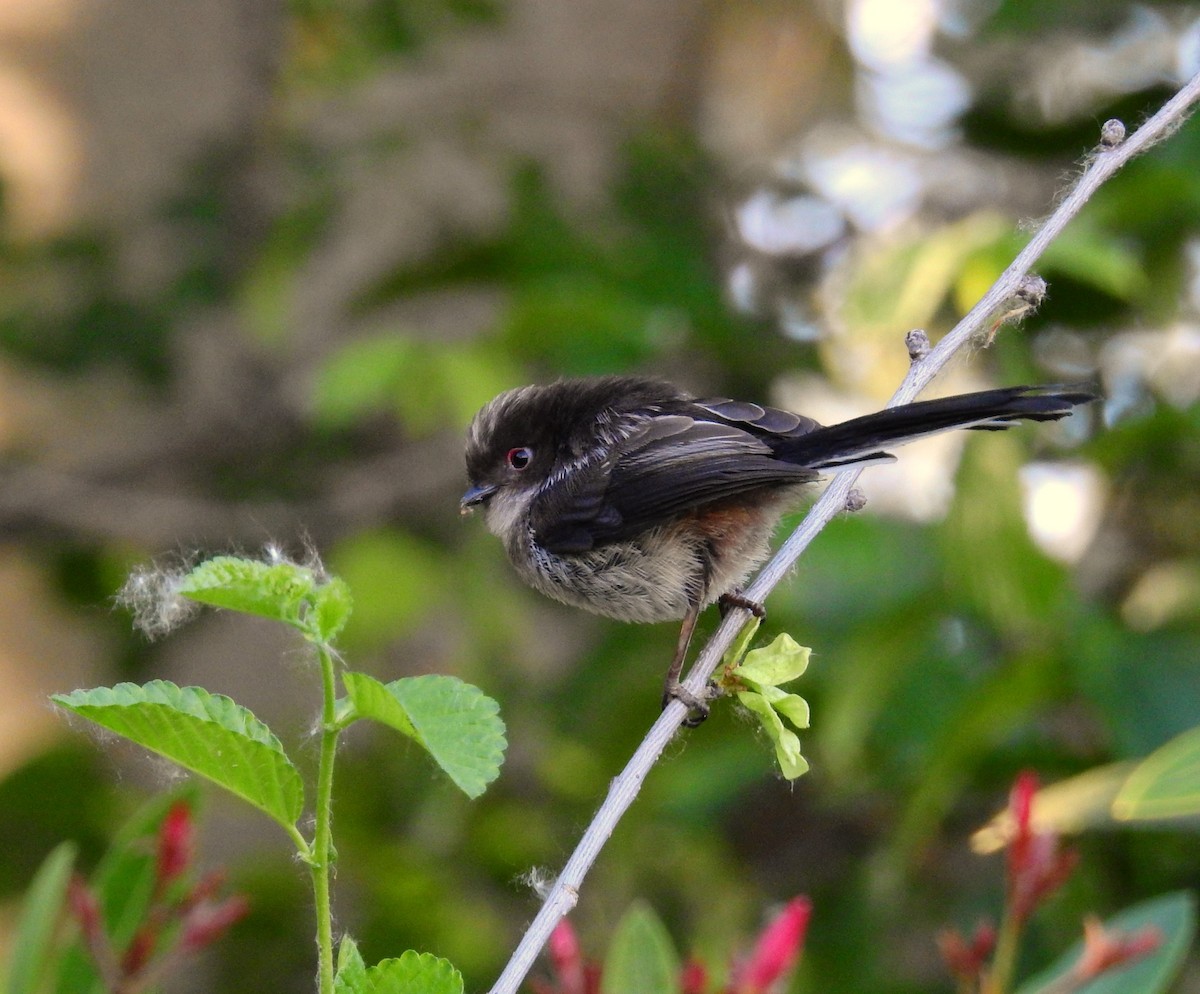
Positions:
{"x": 474, "y": 497}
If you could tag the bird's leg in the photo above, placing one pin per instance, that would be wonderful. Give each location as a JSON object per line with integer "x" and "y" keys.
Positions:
{"x": 674, "y": 690}
{"x": 735, "y": 598}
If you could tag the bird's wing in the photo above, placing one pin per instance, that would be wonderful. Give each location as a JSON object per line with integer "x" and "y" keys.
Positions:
{"x": 666, "y": 466}
{"x": 770, "y": 424}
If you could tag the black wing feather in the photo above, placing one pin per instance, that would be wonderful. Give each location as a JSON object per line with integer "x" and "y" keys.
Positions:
{"x": 681, "y": 454}
{"x": 666, "y": 467}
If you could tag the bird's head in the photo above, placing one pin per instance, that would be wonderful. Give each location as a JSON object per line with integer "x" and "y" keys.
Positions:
{"x": 525, "y": 437}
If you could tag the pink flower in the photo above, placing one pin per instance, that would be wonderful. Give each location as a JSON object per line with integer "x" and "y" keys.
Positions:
{"x": 1036, "y": 866}
{"x": 762, "y": 972}
{"x": 776, "y": 951}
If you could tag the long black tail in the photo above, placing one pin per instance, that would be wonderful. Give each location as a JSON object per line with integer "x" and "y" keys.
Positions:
{"x": 861, "y": 439}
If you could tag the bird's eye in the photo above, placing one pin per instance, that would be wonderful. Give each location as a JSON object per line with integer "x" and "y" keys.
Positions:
{"x": 519, "y": 457}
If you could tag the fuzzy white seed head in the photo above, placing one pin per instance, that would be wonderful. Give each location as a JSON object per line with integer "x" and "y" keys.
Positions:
{"x": 151, "y": 595}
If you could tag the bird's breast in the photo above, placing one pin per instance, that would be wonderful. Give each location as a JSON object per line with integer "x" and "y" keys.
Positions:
{"x": 660, "y": 574}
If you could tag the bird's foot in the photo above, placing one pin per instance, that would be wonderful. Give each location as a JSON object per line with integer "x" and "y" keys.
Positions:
{"x": 697, "y": 704}
{"x": 735, "y": 598}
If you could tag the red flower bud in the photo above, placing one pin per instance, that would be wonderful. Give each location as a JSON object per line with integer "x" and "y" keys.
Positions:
{"x": 964, "y": 959}
{"x": 693, "y": 978}
{"x": 567, "y": 957}
{"x": 1105, "y": 950}
{"x": 84, "y": 906}
{"x": 206, "y": 922}
{"x": 86, "y": 909}
{"x": 139, "y": 951}
{"x": 174, "y": 844}
{"x": 776, "y": 951}
{"x": 1036, "y": 866}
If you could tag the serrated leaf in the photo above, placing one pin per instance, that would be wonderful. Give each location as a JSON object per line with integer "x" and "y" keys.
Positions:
{"x": 371, "y": 698}
{"x": 1174, "y": 915}
{"x": 208, "y": 734}
{"x": 351, "y": 976}
{"x": 412, "y": 973}
{"x": 781, "y": 661}
{"x": 33, "y": 939}
{"x": 281, "y": 591}
{"x": 455, "y": 722}
{"x": 269, "y": 590}
{"x": 331, "y": 607}
{"x": 641, "y": 956}
{"x": 787, "y": 745}
{"x": 1166, "y": 784}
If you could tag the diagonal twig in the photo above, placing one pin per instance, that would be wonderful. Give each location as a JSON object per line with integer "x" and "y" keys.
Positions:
{"x": 1111, "y": 154}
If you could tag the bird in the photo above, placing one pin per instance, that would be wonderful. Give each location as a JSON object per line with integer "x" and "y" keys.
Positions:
{"x": 629, "y": 498}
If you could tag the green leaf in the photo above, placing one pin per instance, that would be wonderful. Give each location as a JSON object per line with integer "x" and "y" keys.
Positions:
{"x": 1173, "y": 915}
{"x": 206, "y": 733}
{"x": 456, "y": 723}
{"x": 351, "y": 977}
{"x": 411, "y": 973}
{"x": 781, "y": 661}
{"x": 270, "y": 590}
{"x": 1166, "y": 784}
{"x": 331, "y": 607}
{"x": 370, "y": 698}
{"x": 793, "y": 707}
{"x": 33, "y": 958}
{"x": 641, "y": 957}
{"x": 282, "y": 591}
{"x": 763, "y": 670}
{"x": 741, "y": 644}
{"x": 785, "y": 741}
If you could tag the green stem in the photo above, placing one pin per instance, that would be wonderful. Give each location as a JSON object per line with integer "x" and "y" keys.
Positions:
{"x": 1004, "y": 960}
{"x": 322, "y": 848}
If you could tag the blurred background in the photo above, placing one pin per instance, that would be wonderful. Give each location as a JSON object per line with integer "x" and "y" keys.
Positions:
{"x": 262, "y": 261}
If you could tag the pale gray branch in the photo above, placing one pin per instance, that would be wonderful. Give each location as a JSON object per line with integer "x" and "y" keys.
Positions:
{"x": 1014, "y": 287}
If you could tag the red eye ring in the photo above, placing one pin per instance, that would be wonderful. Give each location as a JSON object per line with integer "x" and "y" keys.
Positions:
{"x": 519, "y": 458}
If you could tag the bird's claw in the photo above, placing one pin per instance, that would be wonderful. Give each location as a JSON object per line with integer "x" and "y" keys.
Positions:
{"x": 697, "y": 704}
{"x": 735, "y": 598}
